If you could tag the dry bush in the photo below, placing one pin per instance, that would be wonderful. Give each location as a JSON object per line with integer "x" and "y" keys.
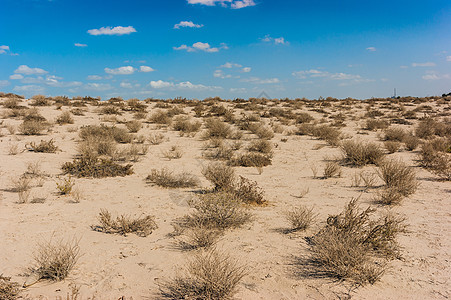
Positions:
{"x": 358, "y": 153}
{"x": 120, "y": 135}
{"x": 92, "y": 148}
{"x": 40, "y": 100}
{"x": 354, "y": 245}
{"x": 223, "y": 152}
{"x": 372, "y": 124}
{"x": 13, "y": 149}
{"x": 332, "y": 169}
{"x": 65, "y": 118}
{"x": 21, "y": 184}
{"x": 411, "y": 142}
{"x": 328, "y": 133}
{"x": 303, "y": 117}
{"x": 55, "y": 260}
{"x": 133, "y": 126}
{"x": 209, "y": 275}
{"x": 219, "y": 211}
{"x": 156, "y": 138}
{"x": 166, "y": 178}
{"x": 11, "y": 128}
{"x": 185, "y": 126}
{"x": 9, "y": 290}
{"x": 173, "y": 153}
{"x": 32, "y": 127}
{"x": 398, "y": 176}
{"x": 216, "y": 129}
{"x": 11, "y": 103}
{"x": 65, "y": 186}
{"x": 392, "y": 146}
{"x": 141, "y": 226}
{"x": 249, "y": 192}
{"x": 198, "y": 237}
{"x": 160, "y": 117}
{"x": 262, "y": 146}
{"x": 429, "y": 128}
{"x": 220, "y": 175}
{"x": 394, "y": 134}
{"x": 98, "y": 168}
{"x": 389, "y": 196}
{"x": 43, "y": 146}
{"x": 300, "y": 218}
{"x": 110, "y": 110}
{"x": 251, "y": 159}
{"x": 264, "y": 132}
{"x": 77, "y": 112}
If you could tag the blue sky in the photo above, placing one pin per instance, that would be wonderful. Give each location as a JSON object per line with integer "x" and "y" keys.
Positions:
{"x": 227, "y": 48}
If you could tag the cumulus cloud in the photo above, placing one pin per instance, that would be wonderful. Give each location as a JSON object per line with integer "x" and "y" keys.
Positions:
{"x": 80, "y": 45}
{"x": 448, "y": 58}
{"x": 246, "y": 69}
{"x": 24, "y": 69}
{"x": 29, "y": 88}
{"x": 98, "y": 86}
{"x": 371, "y": 49}
{"x": 234, "y": 4}
{"x": 229, "y": 65}
{"x": 221, "y": 74}
{"x": 16, "y": 77}
{"x": 127, "y": 70}
{"x": 353, "y": 78}
{"x": 276, "y": 41}
{"x": 126, "y": 85}
{"x": 160, "y": 84}
{"x": 431, "y": 75}
{"x": 261, "y": 81}
{"x": 186, "y": 85}
{"x": 94, "y": 77}
{"x": 4, "y": 83}
{"x": 118, "y": 30}
{"x": 187, "y": 24}
{"x": 146, "y": 69}
{"x": 5, "y": 50}
{"x": 199, "y": 46}
{"x": 426, "y": 64}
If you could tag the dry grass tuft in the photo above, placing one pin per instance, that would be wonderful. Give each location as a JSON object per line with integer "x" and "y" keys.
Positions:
{"x": 142, "y": 226}
{"x": 252, "y": 159}
{"x": 359, "y": 154}
{"x": 166, "y": 178}
{"x": 54, "y": 261}
{"x": 398, "y": 176}
{"x": 98, "y": 168}
{"x": 32, "y": 127}
{"x": 209, "y": 275}
{"x": 331, "y": 169}
{"x": 220, "y": 175}
{"x": 43, "y": 146}
{"x": 8, "y": 290}
{"x": 300, "y": 218}
{"x": 65, "y": 118}
{"x": 249, "y": 192}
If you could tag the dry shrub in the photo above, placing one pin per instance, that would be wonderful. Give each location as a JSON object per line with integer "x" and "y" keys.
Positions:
{"x": 223, "y": 152}
{"x": 156, "y": 138}
{"x": 303, "y": 117}
{"x": 173, "y": 153}
{"x": 216, "y": 129}
{"x": 220, "y": 175}
{"x": 251, "y": 159}
{"x": 198, "y": 237}
{"x": 133, "y": 126}
{"x": 428, "y": 128}
{"x": 65, "y": 186}
{"x": 166, "y": 178}
{"x": 13, "y": 149}
{"x": 120, "y": 135}
{"x": 141, "y": 226}
{"x": 11, "y": 103}
{"x": 358, "y": 153}
{"x": 209, "y": 275}
{"x": 21, "y": 184}
{"x": 55, "y": 260}
{"x": 98, "y": 168}
{"x": 185, "y": 126}
{"x": 77, "y": 112}
{"x": 264, "y": 132}
{"x": 394, "y": 134}
{"x": 262, "y": 146}
{"x": 411, "y": 142}
{"x": 300, "y": 218}
{"x": 40, "y": 100}
{"x": 9, "y": 290}
{"x": 389, "y": 196}
{"x": 110, "y": 110}
{"x": 354, "y": 245}
{"x": 328, "y": 133}
{"x": 398, "y": 176}
{"x": 249, "y": 192}
{"x": 372, "y": 124}
{"x": 43, "y": 146}
{"x": 392, "y": 146}
{"x": 65, "y": 118}
{"x": 219, "y": 211}
{"x": 160, "y": 117}
{"x": 32, "y": 127}
{"x": 331, "y": 169}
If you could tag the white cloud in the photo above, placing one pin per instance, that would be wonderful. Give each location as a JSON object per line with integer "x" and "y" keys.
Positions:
{"x": 276, "y": 41}
{"x": 80, "y": 45}
{"x": 4, "y": 83}
{"x": 187, "y": 24}
{"x": 426, "y": 64}
{"x": 145, "y": 69}
{"x": 234, "y": 4}
{"x": 348, "y": 78}
{"x": 238, "y": 90}
{"x": 431, "y": 75}
{"x": 127, "y": 70}
{"x": 98, "y": 86}
{"x": 29, "y": 88}
{"x": 229, "y": 65}
{"x": 448, "y": 58}
{"x": 261, "y": 81}
{"x": 16, "y": 76}
{"x": 221, "y": 74}
{"x": 24, "y": 69}
{"x": 199, "y": 46}
{"x": 5, "y": 50}
{"x": 118, "y": 30}
{"x": 94, "y": 77}
{"x": 371, "y": 49}
{"x": 246, "y": 69}
{"x": 404, "y": 67}
{"x": 160, "y": 84}
{"x": 126, "y": 85}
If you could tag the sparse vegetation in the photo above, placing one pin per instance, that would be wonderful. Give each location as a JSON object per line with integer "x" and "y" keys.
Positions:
{"x": 166, "y": 178}
{"x": 300, "y": 218}
{"x": 9, "y": 290}
{"x": 358, "y": 153}
{"x": 141, "y": 226}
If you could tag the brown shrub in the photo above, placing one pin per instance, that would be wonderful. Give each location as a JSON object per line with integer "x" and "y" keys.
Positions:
{"x": 43, "y": 146}
{"x": 40, "y": 100}
{"x": 185, "y": 126}
{"x": 331, "y": 169}
{"x": 249, "y": 192}
{"x": 359, "y": 154}
{"x": 399, "y": 176}
{"x": 120, "y": 135}
{"x": 262, "y": 146}
{"x": 133, "y": 126}
{"x": 160, "y": 117}
{"x": 220, "y": 175}
{"x": 411, "y": 142}
{"x": 300, "y": 218}
{"x": 88, "y": 167}
{"x": 65, "y": 118}
{"x": 372, "y": 124}
{"x": 9, "y": 290}
{"x": 251, "y": 160}
{"x": 394, "y": 134}
{"x": 166, "y": 178}
{"x": 32, "y": 127}
{"x": 392, "y": 146}
{"x": 216, "y": 129}
{"x": 141, "y": 226}
{"x": 330, "y": 134}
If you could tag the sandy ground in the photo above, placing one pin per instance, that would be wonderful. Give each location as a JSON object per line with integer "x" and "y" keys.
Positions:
{"x": 112, "y": 266}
